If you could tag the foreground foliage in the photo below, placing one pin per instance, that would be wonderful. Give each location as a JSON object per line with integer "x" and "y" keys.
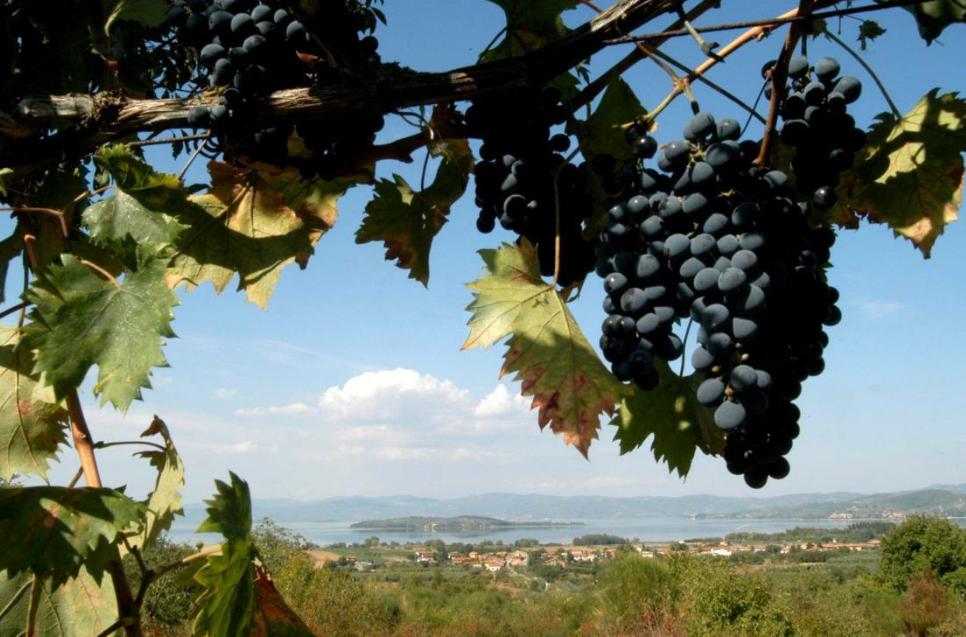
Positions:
{"x": 631, "y": 596}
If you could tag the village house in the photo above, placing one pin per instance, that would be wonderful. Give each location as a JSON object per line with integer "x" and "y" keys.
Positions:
{"x": 425, "y": 557}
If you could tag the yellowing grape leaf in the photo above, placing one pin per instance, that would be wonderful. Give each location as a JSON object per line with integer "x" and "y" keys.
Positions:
{"x": 254, "y": 223}
{"x": 910, "y": 175}
{"x": 57, "y": 530}
{"x": 31, "y": 422}
{"x": 407, "y": 221}
{"x": 80, "y": 320}
{"x": 226, "y": 605}
{"x": 679, "y": 424}
{"x": 80, "y": 607}
{"x": 142, "y": 205}
{"x": 165, "y": 500}
{"x": 549, "y": 354}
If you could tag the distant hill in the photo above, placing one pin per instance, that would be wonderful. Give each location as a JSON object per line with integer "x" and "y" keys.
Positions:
{"x": 949, "y": 500}
{"x": 458, "y": 524}
{"x": 940, "y": 502}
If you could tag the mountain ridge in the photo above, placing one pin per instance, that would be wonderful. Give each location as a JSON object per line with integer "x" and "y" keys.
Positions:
{"x": 938, "y": 499}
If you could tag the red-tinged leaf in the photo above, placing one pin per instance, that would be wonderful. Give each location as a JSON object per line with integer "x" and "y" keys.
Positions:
{"x": 407, "y": 221}
{"x": 272, "y": 616}
{"x": 546, "y": 351}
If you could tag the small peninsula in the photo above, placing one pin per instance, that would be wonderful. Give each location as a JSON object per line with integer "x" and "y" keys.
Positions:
{"x": 456, "y": 524}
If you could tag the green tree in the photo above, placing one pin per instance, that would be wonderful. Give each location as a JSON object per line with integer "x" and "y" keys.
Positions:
{"x": 641, "y": 594}
{"x": 924, "y": 544}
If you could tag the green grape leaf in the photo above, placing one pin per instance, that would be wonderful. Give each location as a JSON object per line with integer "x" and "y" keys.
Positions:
{"x": 227, "y": 603}
{"x": 679, "y": 424}
{"x": 407, "y": 221}
{"x": 165, "y": 500}
{"x": 10, "y": 248}
{"x": 81, "y": 320}
{"x": 933, "y": 16}
{"x": 549, "y": 354}
{"x": 532, "y": 25}
{"x": 79, "y": 607}
{"x": 603, "y": 133}
{"x": 272, "y": 616}
{"x": 910, "y": 174}
{"x": 58, "y": 191}
{"x": 230, "y": 511}
{"x": 139, "y": 209}
{"x": 31, "y": 422}
{"x": 59, "y": 530}
{"x": 147, "y": 12}
{"x": 254, "y": 223}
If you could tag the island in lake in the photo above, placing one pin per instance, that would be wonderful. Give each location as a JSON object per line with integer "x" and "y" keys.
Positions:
{"x": 457, "y": 524}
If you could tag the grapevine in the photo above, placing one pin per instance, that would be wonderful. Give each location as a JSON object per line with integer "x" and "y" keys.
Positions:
{"x": 714, "y": 249}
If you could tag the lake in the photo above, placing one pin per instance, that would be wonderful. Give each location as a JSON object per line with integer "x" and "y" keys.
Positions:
{"x": 654, "y": 529}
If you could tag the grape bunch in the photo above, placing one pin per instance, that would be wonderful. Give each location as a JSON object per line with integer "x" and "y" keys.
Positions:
{"x": 816, "y": 123}
{"x": 523, "y": 178}
{"x": 710, "y": 238}
{"x": 253, "y": 48}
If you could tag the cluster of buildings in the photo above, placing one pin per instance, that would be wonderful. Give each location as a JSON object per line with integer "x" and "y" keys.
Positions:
{"x": 562, "y": 556}
{"x": 492, "y": 562}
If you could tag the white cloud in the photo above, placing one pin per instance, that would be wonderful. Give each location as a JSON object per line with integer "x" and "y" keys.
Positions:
{"x": 223, "y": 393}
{"x": 501, "y": 403}
{"x": 245, "y": 446}
{"x": 391, "y": 395}
{"x": 283, "y": 410}
{"x": 876, "y": 309}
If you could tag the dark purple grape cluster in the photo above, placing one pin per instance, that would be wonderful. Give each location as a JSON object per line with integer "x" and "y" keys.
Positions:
{"x": 711, "y": 238}
{"x": 255, "y": 47}
{"x": 523, "y": 179}
{"x": 817, "y": 125}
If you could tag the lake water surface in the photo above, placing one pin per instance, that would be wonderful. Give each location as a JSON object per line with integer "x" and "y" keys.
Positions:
{"x": 645, "y": 529}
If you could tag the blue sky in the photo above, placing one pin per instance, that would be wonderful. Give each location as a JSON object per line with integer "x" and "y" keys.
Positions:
{"x": 352, "y": 382}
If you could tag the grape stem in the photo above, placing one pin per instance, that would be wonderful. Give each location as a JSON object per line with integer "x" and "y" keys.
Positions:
{"x": 16, "y": 308}
{"x": 77, "y": 476}
{"x": 754, "y": 33}
{"x": 687, "y": 82}
{"x": 194, "y": 156}
{"x": 16, "y": 598}
{"x": 556, "y": 239}
{"x": 868, "y": 69}
{"x": 778, "y": 75}
{"x": 676, "y": 31}
{"x": 168, "y": 140}
{"x": 84, "y": 445}
{"x": 594, "y": 88}
{"x": 29, "y": 210}
{"x": 125, "y": 443}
